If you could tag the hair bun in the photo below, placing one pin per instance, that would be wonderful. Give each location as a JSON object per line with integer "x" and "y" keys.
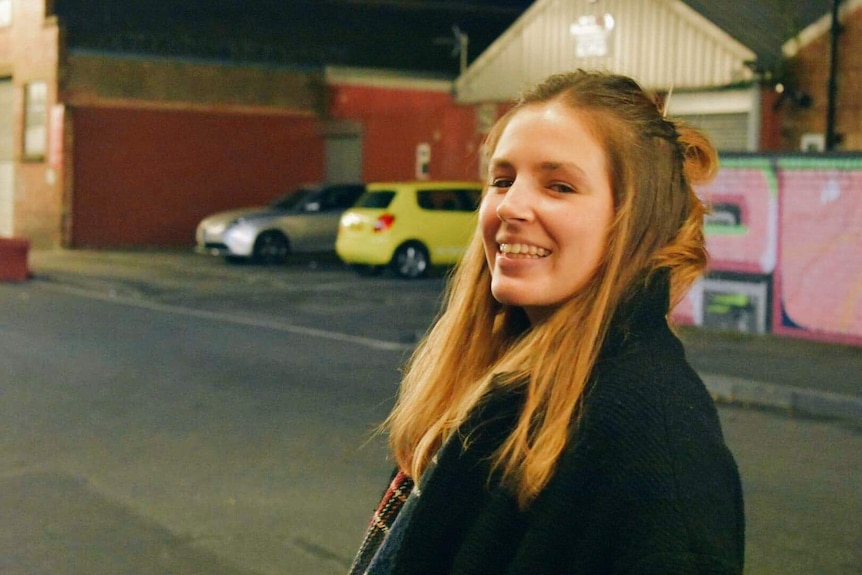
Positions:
{"x": 700, "y": 160}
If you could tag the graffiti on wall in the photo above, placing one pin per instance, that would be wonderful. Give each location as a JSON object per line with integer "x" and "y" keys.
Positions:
{"x": 742, "y": 240}
{"x": 785, "y": 243}
{"x": 819, "y": 280}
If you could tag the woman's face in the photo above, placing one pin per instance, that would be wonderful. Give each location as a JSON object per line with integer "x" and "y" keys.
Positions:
{"x": 547, "y": 209}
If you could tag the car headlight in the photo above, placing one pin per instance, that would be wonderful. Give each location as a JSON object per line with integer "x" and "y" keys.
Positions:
{"x": 240, "y": 234}
{"x": 217, "y": 228}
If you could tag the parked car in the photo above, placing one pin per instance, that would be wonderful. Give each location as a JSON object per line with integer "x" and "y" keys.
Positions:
{"x": 302, "y": 221}
{"x": 409, "y": 226}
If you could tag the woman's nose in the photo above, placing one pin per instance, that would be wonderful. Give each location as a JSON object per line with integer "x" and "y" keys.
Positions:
{"x": 515, "y": 204}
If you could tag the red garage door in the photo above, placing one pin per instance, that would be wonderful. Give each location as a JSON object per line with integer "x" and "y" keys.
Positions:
{"x": 146, "y": 177}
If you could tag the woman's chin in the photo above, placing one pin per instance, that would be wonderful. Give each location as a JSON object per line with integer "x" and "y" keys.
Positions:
{"x": 508, "y": 292}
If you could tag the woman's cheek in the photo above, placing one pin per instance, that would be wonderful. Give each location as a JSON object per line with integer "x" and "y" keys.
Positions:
{"x": 488, "y": 224}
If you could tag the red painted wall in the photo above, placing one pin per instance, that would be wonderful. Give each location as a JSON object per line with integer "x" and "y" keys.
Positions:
{"x": 395, "y": 120}
{"x": 145, "y": 177}
{"x": 770, "y": 120}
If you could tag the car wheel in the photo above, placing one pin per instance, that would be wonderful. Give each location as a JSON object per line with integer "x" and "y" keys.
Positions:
{"x": 411, "y": 260}
{"x": 366, "y": 270}
{"x": 271, "y": 248}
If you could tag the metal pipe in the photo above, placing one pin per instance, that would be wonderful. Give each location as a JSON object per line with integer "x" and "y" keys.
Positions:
{"x": 832, "y": 139}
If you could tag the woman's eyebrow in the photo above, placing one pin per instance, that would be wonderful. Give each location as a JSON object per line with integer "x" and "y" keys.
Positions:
{"x": 555, "y": 166}
{"x": 547, "y": 166}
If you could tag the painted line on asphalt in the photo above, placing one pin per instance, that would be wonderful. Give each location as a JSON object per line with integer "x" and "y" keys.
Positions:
{"x": 721, "y": 387}
{"x": 232, "y": 318}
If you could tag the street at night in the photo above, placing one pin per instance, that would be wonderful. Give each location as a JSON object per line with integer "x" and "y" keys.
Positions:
{"x": 193, "y": 417}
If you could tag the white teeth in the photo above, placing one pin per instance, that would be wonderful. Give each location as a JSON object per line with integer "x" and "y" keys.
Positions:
{"x": 524, "y": 250}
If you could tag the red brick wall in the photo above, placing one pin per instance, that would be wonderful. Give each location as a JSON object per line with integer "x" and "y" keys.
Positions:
{"x": 146, "y": 177}
{"x": 770, "y": 121}
{"x": 395, "y": 120}
{"x": 809, "y": 71}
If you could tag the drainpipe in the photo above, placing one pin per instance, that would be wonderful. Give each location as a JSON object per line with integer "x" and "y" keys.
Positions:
{"x": 831, "y": 137}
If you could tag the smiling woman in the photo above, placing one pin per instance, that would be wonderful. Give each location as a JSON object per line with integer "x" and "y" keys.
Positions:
{"x": 549, "y": 422}
{"x": 548, "y": 208}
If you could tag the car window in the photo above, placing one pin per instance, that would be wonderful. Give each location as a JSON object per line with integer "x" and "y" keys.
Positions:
{"x": 454, "y": 200}
{"x": 314, "y": 201}
{"x": 470, "y": 198}
{"x": 290, "y": 200}
{"x": 375, "y": 199}
{"x": 341, "y": 197}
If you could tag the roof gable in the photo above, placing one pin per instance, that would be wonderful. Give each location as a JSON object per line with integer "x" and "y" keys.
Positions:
{"x": 819, "y": 28}
{"x": 763, "y": 25}
{"x": 661, "y": 42}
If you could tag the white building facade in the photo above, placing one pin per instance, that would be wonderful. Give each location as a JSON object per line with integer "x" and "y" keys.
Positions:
{"x": 664, "y": 44}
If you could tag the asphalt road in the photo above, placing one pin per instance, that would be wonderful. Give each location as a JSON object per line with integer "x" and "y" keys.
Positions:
{"x": 210, "y": 424}
{"x": 142, "y": 440}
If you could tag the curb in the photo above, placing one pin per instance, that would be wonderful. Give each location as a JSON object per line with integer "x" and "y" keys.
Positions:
{"x": 792, "y": 399}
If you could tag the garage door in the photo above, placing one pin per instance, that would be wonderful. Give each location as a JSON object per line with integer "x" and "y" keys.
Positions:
{"x": 728, "y": 132}
{"x": 146, "y": 177}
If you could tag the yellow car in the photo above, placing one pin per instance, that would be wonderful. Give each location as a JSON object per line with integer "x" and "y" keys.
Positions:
{"x": 409, "y": 226}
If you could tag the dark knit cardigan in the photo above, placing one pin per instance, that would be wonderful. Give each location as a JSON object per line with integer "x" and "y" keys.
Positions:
{"x": 645, "y": 487}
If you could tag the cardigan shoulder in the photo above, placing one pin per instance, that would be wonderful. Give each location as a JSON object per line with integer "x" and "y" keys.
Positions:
{"x": 648, "y": 381}
{"x": 647, "y": 478}
{"x": 645, "y": 485}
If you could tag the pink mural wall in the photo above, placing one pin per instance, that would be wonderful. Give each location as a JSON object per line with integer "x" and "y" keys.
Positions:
{"x": 749, "y": 246}
{"x": 785, "y": 243}
{"x": 741, "y": 233}
{"x": 819, "y": 280}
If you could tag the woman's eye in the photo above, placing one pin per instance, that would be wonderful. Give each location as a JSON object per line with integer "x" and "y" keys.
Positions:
{"x": 562, "y": 188}
{"x": 501, "y": 183}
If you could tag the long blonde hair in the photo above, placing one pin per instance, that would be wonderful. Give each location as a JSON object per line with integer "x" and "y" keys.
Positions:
{"x": 478, "y": 343}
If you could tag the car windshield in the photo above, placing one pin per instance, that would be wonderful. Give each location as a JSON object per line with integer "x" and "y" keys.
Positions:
{"x": 375, "y": 199}
{"x": 290, "y": 200}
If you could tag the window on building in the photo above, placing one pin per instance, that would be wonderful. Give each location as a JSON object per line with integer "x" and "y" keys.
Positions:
{"x": 5, "y": 12}
{"x": 35, "y": 120}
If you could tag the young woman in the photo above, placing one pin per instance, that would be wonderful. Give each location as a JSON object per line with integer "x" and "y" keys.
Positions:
{"x": 549, "y": 422}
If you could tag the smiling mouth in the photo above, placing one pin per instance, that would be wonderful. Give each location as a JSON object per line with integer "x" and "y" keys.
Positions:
{"x": 524, "y": 251}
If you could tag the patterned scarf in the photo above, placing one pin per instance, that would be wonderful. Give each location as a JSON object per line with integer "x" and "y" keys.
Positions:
{"x": 382, "y": 521}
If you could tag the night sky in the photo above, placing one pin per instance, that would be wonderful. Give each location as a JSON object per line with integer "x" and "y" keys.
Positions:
{"x": 407, "y": 34}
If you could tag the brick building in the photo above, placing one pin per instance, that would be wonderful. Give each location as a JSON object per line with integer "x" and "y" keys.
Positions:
{"x": 30, "y": 171}
{"x": 785, "y": 235}
{"x": 808, "y": 76}
{"x": 123, "y": 124}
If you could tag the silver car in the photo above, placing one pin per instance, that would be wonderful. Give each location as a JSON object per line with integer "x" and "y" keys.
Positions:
{"x": 303, "y": 221}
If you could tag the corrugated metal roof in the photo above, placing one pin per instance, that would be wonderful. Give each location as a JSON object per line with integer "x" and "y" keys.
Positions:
{"x": 762, "y": 25}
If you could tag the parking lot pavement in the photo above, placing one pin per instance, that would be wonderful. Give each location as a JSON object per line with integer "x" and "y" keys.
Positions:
{"x": 795, "y": 375}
